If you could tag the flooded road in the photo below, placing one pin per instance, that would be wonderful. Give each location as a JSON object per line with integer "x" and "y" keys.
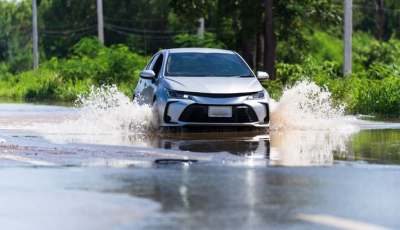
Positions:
{"x": 53, "y": 165}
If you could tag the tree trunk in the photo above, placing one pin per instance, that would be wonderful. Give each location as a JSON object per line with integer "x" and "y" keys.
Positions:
{"x": 260, "y": 51}
{"x": 247, "y": 52}
{"x": 270, "y": 41}
{"x": 380, "y": 12}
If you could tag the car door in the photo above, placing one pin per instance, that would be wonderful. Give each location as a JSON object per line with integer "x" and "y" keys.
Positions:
{"x": 143, "y": 83}
{"x": 150, "y": 86}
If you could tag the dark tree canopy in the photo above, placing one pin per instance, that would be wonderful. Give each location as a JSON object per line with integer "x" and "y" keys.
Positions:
{"x": 146, "y": 26}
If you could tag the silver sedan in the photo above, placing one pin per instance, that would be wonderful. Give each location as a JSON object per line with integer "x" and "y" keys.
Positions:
{"x": 203, "y": 87}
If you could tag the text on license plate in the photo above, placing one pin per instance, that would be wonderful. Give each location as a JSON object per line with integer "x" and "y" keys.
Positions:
{"x": 220, "y": 111}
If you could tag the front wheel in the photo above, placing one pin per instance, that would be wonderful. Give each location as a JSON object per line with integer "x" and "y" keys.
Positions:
{"x": 155, "y": 117}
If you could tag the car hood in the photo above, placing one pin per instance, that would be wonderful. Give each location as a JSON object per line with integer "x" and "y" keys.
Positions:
{"x": 217, "y": 85}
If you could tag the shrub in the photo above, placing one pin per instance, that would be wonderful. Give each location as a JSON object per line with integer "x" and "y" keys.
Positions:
{"x": 103, "y": 65}
{"x": 191, "y": 40}
{"x": 375, "y": 91}
{"x": 366, "y": 50}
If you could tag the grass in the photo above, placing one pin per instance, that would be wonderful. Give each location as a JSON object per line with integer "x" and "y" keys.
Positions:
{"x": 47, "y": 85}
{"x": 41, "y": 85}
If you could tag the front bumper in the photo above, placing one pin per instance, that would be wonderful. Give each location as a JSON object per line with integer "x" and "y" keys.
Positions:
{"x": 193, "y": 112}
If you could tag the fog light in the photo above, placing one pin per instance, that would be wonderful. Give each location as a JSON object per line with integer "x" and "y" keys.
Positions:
{"x": 167, "y": 119}
{"x": 167, "y": 145}
{"x": 266, "y": 119}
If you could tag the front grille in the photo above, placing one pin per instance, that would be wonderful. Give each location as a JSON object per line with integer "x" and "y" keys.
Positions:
{"x": 199, "y": 113}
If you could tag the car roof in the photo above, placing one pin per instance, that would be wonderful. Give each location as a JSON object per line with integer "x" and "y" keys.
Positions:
{"x": 199, "y": 50}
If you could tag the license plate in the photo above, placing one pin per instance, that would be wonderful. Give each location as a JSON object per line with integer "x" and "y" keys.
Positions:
{"x": 220, "y": 111}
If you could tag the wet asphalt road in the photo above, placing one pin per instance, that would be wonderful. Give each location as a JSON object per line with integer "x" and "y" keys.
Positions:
{"x": 199, "y": 196}
{"x": 297, "y": 180}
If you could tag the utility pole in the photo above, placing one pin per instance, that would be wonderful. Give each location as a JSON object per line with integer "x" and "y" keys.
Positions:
{"x": 100, "y": 23}
{"x": 269, "y": 40}
{"x": 35, "y": 36}
{"x": 348, "y": 33}
{"x": 200, "y": 30}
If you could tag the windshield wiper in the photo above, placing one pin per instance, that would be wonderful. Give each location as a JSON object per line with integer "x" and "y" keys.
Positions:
{"x": 246, "y": 76}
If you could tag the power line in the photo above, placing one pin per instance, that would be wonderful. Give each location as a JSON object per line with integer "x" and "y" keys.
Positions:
{"x": 147, "y": 31}
{"x": 375, "y": 8}
{"x": 66, "y": 31}
{"x": 46, "y": 30}
{"x": 138, "y": 20}
{"x": 67, "y": 26}
{"x": 75, "y": 34}
{"x": 372, "y": 8}
{"x": 139, "y": 36}
{"x": 121, "y": 29}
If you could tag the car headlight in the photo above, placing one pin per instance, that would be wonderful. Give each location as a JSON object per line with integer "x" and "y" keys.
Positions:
{"x": 257, "y": 96}
{"x": 176, "y": 94}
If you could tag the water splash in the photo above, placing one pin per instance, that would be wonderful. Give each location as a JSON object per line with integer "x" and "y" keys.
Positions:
{"x": 105, "y": 110}
{"x": 306, "y": 106}
{"x": 115, "y": 112}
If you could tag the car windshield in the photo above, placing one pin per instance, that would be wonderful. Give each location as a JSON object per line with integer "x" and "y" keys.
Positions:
{"x": 206, "y": 65}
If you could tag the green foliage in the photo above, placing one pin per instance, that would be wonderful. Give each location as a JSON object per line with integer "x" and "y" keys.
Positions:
{"x": 367, "y": 51}
{"x": 209, "y": 41}
{"x": 292, "y": 17}
{"x": 15, "y": 36}
{"x": 375, "y": 91}
{"x": 366, "y": 18}
{"x": 238, "y": 25}
{"x": 190, "y": 10}
{"x": 325, "y": 47}
{"x": 103, "y": 65}
{"x": 82, "y": 14}
{"x": 40, "y": 84}
{"x": 62, "y": 79}
{"x": 381, "y": 146}
{"x": 274, "y": 87}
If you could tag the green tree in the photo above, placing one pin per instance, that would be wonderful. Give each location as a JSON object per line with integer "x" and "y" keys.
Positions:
{"x": 378, "y": 17}
{"x": 191, "y": 10}
{"x": 15, "y": 36}
{"x": 242, "y": 25}
{"x": 126, "y": 22}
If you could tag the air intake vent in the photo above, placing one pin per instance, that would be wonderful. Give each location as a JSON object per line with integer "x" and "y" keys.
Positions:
{"x": 199, "y": 113}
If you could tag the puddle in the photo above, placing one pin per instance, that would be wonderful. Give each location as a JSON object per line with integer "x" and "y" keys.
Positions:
{"x": 306, "y": 129}
{"x": 100, "y": 136}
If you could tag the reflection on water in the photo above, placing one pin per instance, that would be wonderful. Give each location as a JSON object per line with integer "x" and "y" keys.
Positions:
{"x": 375, "y": 146}
{"x": 376, "y": 142}
{"x": 288, "y": 148}
{"x": 209, "y": 197}
{"x": 307, "y": 148}
{"x": 281, "y": 148}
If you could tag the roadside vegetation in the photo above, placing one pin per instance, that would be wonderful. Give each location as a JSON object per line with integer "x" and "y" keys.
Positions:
{"x": 92, "y": 63}
{"x": 369, "y": 90}
{"x": 308, "y": 33}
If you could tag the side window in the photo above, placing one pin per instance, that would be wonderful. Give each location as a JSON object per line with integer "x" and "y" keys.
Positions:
{"x": 151, "y": 62}
{"x": 157, "y": 65}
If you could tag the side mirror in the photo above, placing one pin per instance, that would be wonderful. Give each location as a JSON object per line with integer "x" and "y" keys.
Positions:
{"x": 147, "y": 74}
{"x": 262, "y": 75}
